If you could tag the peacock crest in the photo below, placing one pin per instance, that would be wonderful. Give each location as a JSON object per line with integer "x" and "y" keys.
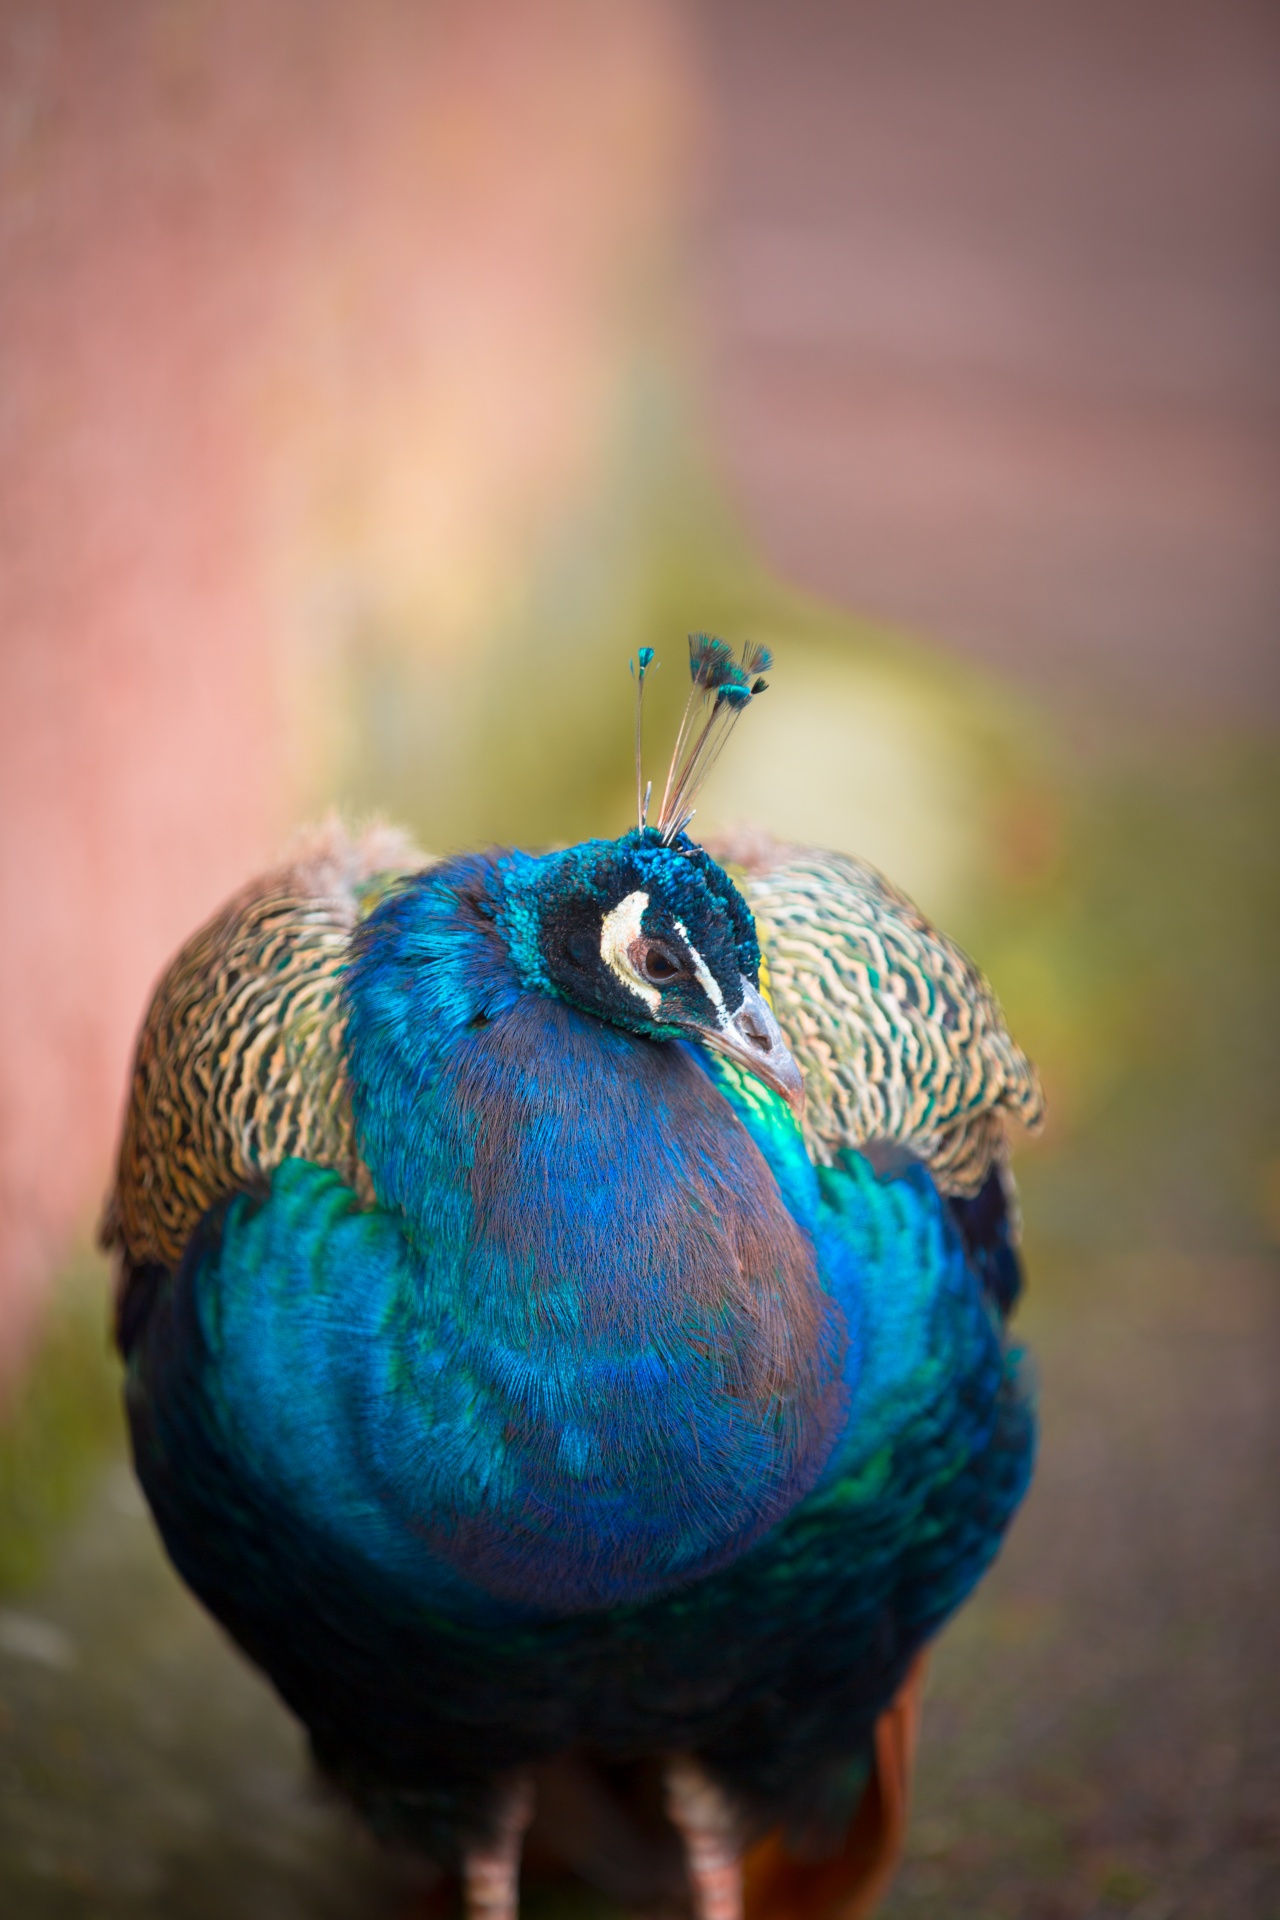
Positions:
{"x": 722, "y": 690}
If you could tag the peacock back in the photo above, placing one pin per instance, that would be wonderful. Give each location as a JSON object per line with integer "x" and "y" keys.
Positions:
{"x": 240, "y": 1061}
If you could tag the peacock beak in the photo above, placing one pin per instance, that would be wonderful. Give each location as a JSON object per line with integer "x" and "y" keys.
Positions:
{"x": 753, "y": 1038}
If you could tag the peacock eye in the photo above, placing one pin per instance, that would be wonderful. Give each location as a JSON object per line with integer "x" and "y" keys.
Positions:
{"x": 659, "y": 965}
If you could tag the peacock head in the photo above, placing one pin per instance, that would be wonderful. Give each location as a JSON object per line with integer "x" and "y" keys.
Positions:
{"x": 649, "y": 935}
{"x": 646, "y": 931}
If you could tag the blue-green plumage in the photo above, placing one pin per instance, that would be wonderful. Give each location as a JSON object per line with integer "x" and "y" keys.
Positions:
{"x": 612, "y": 1423}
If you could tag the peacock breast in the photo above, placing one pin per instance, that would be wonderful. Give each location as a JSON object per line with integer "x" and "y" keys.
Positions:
{"x": 617, "y": 1362}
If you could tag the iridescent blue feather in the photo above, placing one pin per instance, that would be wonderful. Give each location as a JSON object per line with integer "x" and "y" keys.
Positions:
{"x": 613, "y": 1423}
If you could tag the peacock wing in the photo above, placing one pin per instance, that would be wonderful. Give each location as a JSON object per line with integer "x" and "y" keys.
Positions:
{"x": 901, "y": 1040}
{"x": 239, "y": 1063}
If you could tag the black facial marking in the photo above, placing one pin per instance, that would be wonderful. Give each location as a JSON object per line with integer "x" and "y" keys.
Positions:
{"x": 580, "y": 950}
{"x": 562, "y": 900}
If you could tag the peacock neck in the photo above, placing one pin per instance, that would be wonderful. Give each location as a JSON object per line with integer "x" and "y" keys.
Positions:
{"x": 617, "y": 1337}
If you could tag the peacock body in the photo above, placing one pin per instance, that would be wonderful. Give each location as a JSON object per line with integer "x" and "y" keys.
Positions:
{"x": 529, "y": 1390}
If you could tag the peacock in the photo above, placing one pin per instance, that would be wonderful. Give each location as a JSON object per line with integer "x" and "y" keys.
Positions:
{"x": 563, "y": 1305}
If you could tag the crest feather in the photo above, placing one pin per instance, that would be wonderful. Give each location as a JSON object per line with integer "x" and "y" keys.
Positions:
{"x": 723, "y": 688}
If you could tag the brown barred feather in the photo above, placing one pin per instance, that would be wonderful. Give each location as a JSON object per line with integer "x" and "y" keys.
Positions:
{"x": 239, "y": 1063}
{"x": 897, "y": 1033}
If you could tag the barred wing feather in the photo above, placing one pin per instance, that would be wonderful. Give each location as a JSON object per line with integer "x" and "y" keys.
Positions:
{"x": 898, "y": 1034}
{"x": 239, "y": 1064}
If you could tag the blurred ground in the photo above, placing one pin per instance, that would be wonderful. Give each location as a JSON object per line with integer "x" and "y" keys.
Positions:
{"x": 987, "y": 305}
{"x": 1102, "y": 1729}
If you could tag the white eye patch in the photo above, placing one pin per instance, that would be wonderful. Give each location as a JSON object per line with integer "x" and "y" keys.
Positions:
{"x": 704, "y": 976}
{"x": 619, "y": 930}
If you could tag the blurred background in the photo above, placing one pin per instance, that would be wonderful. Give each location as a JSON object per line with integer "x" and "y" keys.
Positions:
{"x": 372, "y": 381}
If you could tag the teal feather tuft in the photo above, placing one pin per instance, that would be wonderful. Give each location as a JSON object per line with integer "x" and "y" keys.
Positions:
{"x": 645, "y": 660}
{"x": 711, "y": 662}
{"x": 723, "y": 688}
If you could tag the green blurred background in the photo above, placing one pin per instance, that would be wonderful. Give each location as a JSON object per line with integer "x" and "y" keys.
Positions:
{"x": 375, "y": 384}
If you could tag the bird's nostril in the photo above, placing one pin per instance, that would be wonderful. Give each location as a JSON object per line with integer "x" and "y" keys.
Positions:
{"x": 754, "y": 1032}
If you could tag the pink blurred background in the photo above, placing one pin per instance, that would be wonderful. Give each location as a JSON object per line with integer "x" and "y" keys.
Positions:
{"x": 300, "y": 305}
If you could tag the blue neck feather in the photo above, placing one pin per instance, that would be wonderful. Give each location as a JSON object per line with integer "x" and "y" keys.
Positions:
{"x": 618, "y": 1363}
